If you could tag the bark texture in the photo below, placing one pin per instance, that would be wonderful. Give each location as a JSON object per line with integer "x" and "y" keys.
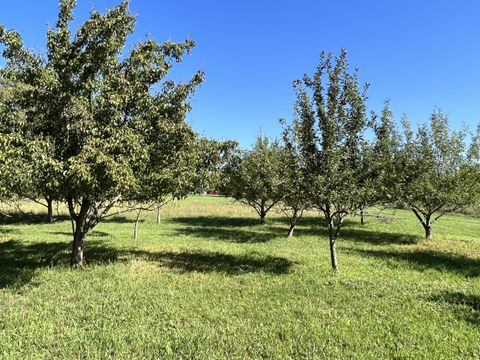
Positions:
{"x": 428, "y": 231}
{"x": 78, "y": 258}
{"x": 293, "y": 221}
{"x": 49, "y": 209}
{"x": 334, "y": 224}
{"x": 80, "y": 230}
{"x": 158, "y": 214}
{"x": 135, "y": 229}
{"x": 263, "y": 214}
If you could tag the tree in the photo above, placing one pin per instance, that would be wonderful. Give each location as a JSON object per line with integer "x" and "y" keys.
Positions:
{"x": 44, "y": 182}
{"x": 109, "y": 121}
{"x": 473, "y": 160}
{"x": 377, "y": 162}
{"x": 211, "y": 158}
{"x": 296, "y": 199}
{"x": 19, "y": 166}
{"x": 328, "y": 129}
{"x": 436, "y": 170}
{"x": 15, "y": 169}
{"x": 197, "y": 166}
{"x": 12, "y": 171}
{"x": 254, "y": 177}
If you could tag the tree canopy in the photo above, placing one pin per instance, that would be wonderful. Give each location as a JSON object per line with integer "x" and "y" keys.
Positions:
{"x": 328, "y": 130}
{"x": 436, "y": 171}
{"x": 255, "y": 177}
{"x": 107, "y": 123}
{"x": 99, "y": 126}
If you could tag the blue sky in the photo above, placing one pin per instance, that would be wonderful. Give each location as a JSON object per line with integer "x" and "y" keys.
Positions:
{"x": 419, "y": 54}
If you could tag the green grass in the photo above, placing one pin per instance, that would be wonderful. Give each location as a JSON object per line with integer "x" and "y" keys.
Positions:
{"x": 211, "y": 283}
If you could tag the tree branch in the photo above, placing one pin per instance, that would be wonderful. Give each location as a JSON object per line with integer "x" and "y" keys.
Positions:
{"x": 38, "y": 202}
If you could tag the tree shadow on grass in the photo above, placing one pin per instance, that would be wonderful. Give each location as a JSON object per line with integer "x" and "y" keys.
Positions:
{"x": 249, "y": 230}
{"x": 18, "y": 218}
{"x": 235, "y": 230}
{"x": 422, "y": 260}
{"x": 205, "y": 262}
{"x": 121, "y": 220}
{"x": 304, "y": 221}
{"x": 466, "y": 306}
{"x": 352, "y": 230}
{"x": 5, "y": 231}
{"x": 229, "y": 235}
{"x": 355, "y": 234}
{"x": 94, "y": 233}
{"x": 19, "y": 261}
{"x": 218, "y": 221}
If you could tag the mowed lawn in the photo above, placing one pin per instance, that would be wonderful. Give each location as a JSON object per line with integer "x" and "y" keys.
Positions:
{"x": 209, "y": 282}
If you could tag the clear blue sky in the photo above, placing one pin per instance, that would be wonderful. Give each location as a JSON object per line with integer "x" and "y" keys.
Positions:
{"x": 417, "y": 53}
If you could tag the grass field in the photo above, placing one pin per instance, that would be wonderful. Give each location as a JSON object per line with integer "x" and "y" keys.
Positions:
{"x": 209, "y": 282}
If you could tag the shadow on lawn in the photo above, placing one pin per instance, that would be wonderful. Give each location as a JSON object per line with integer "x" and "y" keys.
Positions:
{"x": 250, "y": 230}
{"x": 235, "y": 230}
{"x": 422, "y": 260}
{"x": 18, "y": 218}
{"x": 122, "y": 220}
{"x": 352, "y": 231}
{"x": 375, "y": 237}
{"x": 93, "y": 233}
{"x": 203, "y": 261}
{"x": 19, "y": 261}
{"x": 218, "y": 221}
{"x": 246, "y": 229}
{"x": 466, "y": 306}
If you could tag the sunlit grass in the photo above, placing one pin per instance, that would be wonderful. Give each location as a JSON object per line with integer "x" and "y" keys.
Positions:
{"x": 210, "y": 282}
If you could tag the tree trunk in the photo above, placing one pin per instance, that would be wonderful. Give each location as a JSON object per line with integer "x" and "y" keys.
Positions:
{"x": 332, "y": 237}
{"x": 263, "y": 214}
{"x": 158, "y": 214}
{"x": 290, "y": 231}
{"x": 293, "y": 223}
{"x": 427, "y": 225}
{"x": 362, "y": 216}
{"x": 78, "y": 259}
{"x": 135, "y": 230}
{"x": 49, "y": 209}
{"x": 80, "y": 230}
{"x": 333, "y": 254}
{"x": 428, "y": 230}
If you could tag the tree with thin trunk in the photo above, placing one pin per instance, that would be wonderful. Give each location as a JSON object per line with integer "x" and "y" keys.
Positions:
{"x": 199, "y": 167}
{"x": 255, "y": 177}
{"x": 296, "y": 199}
{"x": 105, "y": 118}
{"x": 435, "y": 169}
{"x": 211, "y": 158}
{"x": 328, "y": 129}
{"x": 45, "y": 182}
{"x": 27, "y": 171}
{"x": 377, "y": 163}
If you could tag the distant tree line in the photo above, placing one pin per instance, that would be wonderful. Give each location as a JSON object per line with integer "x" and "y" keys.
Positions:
{"x": 104, "y": 131}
